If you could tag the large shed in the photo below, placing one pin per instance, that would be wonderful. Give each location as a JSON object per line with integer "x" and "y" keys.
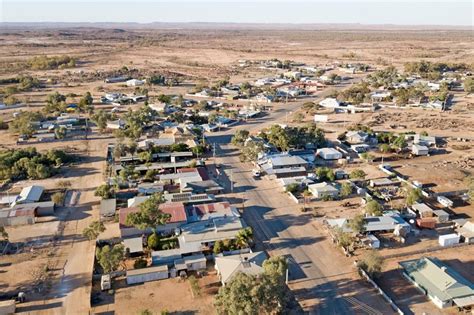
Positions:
{"x": 147, "y": 274}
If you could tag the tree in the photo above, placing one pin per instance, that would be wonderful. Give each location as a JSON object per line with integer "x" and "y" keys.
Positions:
{"x": 251, "y": 294}
{"x": 325, "y": 173}
{"x": 93, "y": 230}
{"x": 3, "y": 233}
{"x": 385, "y": 148}
{"x": 149, "y": 215}
{"x": 218, "y": 247}
{"x": 244, "y": 237}
{"x": 357, "y": 223}
{"x": 251, "y": 151}
{"x": 198, "y": 150}
{"x": 110, "y": 258}
{"x": 105, "y": 191}
{"x": 145, "y": 156}
{"x": 413, "y": 196}
{"x": 373, "y": 208}
{"x": 100, "y": 118}
{"x": 367, "y": 156}
{"x": 240, "y": 136}
{"x": 469, "y": 181}
{"x": 23, "y": 123}
{"x": 60, "y": 132}
{"x": 469, "y": 85}
{"x": 346, "y": 190}
{"x": 292, "y": 188}
{"x": 55, "y": 102}
{"x": 400, "y": 142}
{"x": 372, "y": 263}
{"x": 344, "y": 239}
{"x": 357, "y": 174}
{"x": 153, "y": 241}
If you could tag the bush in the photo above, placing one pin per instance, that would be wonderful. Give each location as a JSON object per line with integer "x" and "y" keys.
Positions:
{"x": 58, "y": 198}
{"x": 140, "y": 263}
{"x": 48, "y": 63}
{"x": 292, "y": 188}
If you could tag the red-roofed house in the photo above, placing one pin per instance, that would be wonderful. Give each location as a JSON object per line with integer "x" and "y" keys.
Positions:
{"x": 175, "y": 209}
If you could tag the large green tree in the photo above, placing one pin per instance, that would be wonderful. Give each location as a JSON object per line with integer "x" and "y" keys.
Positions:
{"x": 109, "y": 258}
{"x": 149, "y": 215}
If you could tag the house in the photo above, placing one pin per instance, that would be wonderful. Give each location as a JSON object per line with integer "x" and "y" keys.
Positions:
{"x": 419, "y": 150}
{"x": 107, "y": 208}
{"x": 448, "y": 239}
{"x": 323, "y": 189}
{"x": 135, "y": 82}
{"x": 329, "y": 154}
{"x": 467, "y": 232}
{"x": 30, "y": 194}
{"x": 443, "y": 285}
{"x": 229, "y": 266}
{"x": 175, "y": 209}
{"x": 206, "y": 211}
{"x": 442, "y": 216}
{"x": 285, "y": 161}
{"x": 356, "y": 137}
{"x": 330, "y": 103}
{"x": 200, "y": 236}
{"x": 42, "y": 208}
{"x": 382, "y": 182}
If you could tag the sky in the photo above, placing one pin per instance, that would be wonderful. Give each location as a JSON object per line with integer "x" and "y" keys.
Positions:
{"x": 397, "y": 12}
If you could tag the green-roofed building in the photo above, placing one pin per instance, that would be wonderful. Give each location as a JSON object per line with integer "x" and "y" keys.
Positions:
{"x": 443, "y": 285}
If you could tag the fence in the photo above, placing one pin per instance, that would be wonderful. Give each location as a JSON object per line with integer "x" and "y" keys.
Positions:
{"x": 384, "y": 295}
{"x": 427, "y": 250}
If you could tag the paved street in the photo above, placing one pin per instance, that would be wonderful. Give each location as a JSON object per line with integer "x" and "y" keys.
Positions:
{"x": 323, "y": 280}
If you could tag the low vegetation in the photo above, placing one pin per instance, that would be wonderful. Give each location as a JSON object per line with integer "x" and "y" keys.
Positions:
{"x": 30, "y": 164}
{"x": 50, "y": 63}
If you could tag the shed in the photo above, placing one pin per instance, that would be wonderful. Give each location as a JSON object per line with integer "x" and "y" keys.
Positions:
{"x": 442, "y": 216}
{"x": 329, "y": 154}
{"x": 445, "y": 201}
{"x": 374, "y": 241}
{"x": 107, "y": 208}
{"x": 30, "y": 194}
{"x": 423, "y": 210}
{"x": 165, "y": 257}
{"x": 147, "y": 274}
{"x": 191, "y": 263}
{"x": 467, "y": 232}
{"x": 426, "y": 223}
{"x": 448, "y": 239}
{"x": 134, "y": 244}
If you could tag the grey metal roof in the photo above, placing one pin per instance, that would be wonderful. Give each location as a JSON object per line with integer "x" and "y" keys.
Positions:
{"x": 107, "y": 206}
{"x": 439, "y": 279}
{"x": 31, "y": 193}
{"x": 250, "y": 263}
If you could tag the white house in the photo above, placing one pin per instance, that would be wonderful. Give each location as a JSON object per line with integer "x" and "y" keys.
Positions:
{"x": 320, "y": 190}
{"x": 329, "y": 154}
{"x": 135, "y": 82}
{"x": 250, "y": 263}
{"x": 330, "y": 103}
{"x": 417, "y": 149}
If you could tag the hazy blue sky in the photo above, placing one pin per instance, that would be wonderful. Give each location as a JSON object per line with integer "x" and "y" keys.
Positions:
{"x": 401, "y": 12}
